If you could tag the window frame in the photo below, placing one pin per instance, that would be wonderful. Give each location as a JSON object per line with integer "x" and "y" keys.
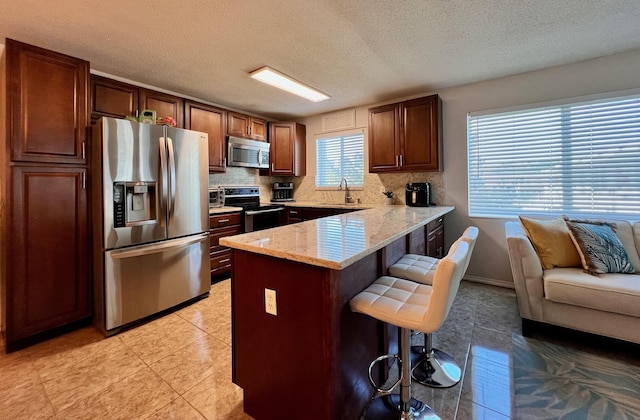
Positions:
{"x": 353, "y": 185}
{"x": 474, "y": 166}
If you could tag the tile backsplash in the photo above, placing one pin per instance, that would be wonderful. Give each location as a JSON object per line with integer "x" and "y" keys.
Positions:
{"x": 304, "y": 187}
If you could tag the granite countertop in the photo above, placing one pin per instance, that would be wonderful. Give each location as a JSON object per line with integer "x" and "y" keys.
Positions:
{"x": 223, "y": 209}
{"x": 336, "y": 242}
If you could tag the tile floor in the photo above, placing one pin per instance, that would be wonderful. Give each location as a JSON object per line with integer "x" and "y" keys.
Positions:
{"x": 179, "y": 366}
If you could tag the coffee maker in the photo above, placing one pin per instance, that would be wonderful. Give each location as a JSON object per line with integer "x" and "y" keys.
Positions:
{"x": 418, "y": 194}
{"x": 282, "y": 191}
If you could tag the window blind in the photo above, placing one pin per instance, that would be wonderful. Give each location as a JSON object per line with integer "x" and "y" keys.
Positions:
{"x": 579, "y": 159}
{"x": 340, "y": 157}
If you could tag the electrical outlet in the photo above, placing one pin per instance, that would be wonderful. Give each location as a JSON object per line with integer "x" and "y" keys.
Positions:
{"x": 382, "y": 189}
{"x": 270, "y": 304}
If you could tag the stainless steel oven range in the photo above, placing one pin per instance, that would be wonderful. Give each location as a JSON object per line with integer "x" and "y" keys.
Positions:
{"x": 256, "y": 216}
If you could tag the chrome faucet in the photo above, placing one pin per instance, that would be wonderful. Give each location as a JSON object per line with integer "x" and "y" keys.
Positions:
{"x": 347, "y": 193}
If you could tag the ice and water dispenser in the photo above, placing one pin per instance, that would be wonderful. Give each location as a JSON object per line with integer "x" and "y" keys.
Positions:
{"x": 134, "y": 203}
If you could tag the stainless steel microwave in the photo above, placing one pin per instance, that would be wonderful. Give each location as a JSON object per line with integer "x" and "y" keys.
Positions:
{"x": 247, "y": 153}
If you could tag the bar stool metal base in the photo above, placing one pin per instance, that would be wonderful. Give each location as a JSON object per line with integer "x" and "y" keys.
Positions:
{"x": 437, "y": 370}
{"x": 388, "y": 407}
{"x": 393, "y": 406}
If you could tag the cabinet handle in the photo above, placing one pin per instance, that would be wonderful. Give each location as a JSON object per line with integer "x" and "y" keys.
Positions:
{"x": 401, "y": 159}
{"x": 84, "y": 180}
{"x": 293, "y": 212}
{"x": 223, "y": 220}
{"x": 225, "y": 260}
{"x": 225, "y": 162}
{"x": 84, "y": 156}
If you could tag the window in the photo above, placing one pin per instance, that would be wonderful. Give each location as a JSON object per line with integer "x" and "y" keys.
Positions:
{"x": 580, "y": 158}
{"x": 340, "y": 157}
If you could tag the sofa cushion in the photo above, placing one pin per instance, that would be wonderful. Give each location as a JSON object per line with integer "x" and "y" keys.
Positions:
{"x": 612, "y": 292}
{"x": 552, "y": 242}
{"x": 627, "y": 234}
{"x": 624, "y": 232}
{"x": 600, "y": 249}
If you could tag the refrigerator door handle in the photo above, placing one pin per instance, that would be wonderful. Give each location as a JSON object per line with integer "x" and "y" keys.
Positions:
{"x": 163, "y": 177}
{"x": 172, "y": 180}
{"x": 159, "y": 247}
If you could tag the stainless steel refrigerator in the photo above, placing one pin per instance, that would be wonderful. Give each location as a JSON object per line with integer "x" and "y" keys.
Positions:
{"x": 150, "y": 220}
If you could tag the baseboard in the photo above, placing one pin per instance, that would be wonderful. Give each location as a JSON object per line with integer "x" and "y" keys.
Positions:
{"x": 491, "y": 282}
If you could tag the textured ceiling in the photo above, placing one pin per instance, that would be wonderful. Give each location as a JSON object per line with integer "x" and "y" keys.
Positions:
{"x": 357, "y": 51}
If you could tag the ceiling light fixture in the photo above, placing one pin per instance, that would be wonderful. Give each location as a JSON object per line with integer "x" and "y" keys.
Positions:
{"x": 274, "y": 78}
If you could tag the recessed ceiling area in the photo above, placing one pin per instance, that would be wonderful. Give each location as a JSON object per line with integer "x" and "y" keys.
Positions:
{"x": 356, "y": 51}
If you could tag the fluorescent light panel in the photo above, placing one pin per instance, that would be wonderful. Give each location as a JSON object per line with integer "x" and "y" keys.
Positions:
{"x": 274, "y": 78}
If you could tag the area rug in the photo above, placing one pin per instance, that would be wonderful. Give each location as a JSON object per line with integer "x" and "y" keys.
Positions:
{"x": 553, "y": 382}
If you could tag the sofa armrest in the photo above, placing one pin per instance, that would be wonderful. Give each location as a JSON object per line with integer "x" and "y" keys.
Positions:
{"x": 527, "y": 271}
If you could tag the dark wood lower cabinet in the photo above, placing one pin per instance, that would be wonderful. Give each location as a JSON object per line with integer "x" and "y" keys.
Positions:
{"x": 435, "y": 238}
{"x": 48, "y": 268}
{"x": 221, "y": 225}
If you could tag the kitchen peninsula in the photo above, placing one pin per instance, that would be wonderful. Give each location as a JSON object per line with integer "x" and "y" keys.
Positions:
{"x": 310, "y": 359}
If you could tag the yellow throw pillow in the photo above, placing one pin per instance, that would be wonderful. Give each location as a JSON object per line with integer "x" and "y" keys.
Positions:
{"x": 552, "y": 242}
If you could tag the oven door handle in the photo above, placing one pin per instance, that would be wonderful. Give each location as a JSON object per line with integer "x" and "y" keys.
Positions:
{"x": 254, "y": 212}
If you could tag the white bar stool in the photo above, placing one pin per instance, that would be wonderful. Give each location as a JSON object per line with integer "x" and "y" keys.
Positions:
{"x": 410, "y": 306}
{"x": 436, "y": 368}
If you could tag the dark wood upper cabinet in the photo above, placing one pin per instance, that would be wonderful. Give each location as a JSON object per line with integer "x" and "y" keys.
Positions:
{"x": 47, "y": 108}
{"x": 384, "y": 143}
{"x": 112, "y": 98}
{"x": 241, "y": 125}
{"x": 213, "y": 121}
{"x": 406, "y": 136}
{"x": 287, "y": 153}
{"x": 48, "y": 276}
{"x": 164, "y": 104}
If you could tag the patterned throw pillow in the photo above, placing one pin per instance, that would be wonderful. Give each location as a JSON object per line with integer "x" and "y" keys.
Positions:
{"x": 600, "y": 249}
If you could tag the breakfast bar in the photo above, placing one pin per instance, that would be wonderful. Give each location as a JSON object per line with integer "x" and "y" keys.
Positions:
{"x": 298, "y": 350}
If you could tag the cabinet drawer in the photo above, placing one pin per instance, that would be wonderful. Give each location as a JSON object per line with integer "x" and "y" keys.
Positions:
{"x": 434, "y": 224}
{"x": 220, "y": 259}
{"x": 294, "y": 215}
{"x": 216, "y": 234}
{"x": 226, "y": 219}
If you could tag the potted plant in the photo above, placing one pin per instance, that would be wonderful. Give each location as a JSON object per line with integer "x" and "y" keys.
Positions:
{"x": 388, "y": 196}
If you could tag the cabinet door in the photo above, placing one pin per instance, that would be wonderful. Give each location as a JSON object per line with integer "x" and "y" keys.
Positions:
{"x": 420, "y": 139}
{"x": 257, "y": 129}
{"x": 111, "y": 98}
{"x": 281, "y": 152}
{"x": 47, "y": 105}
{"x": 164, "y": 104}
{"x": 237, "y": 124}
{"x": 48, "y": 281}
{"x": 435, "y": 238}
{"x": 384, "y": 148}
{"x": 213, "y": 121}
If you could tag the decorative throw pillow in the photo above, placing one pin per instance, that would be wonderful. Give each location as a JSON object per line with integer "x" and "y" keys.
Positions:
{"x": 552, "y": 242}
{"x": 600, "y": 249}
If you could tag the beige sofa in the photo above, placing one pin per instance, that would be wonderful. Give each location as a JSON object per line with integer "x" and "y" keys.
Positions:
{"x": 606, "y": 304}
